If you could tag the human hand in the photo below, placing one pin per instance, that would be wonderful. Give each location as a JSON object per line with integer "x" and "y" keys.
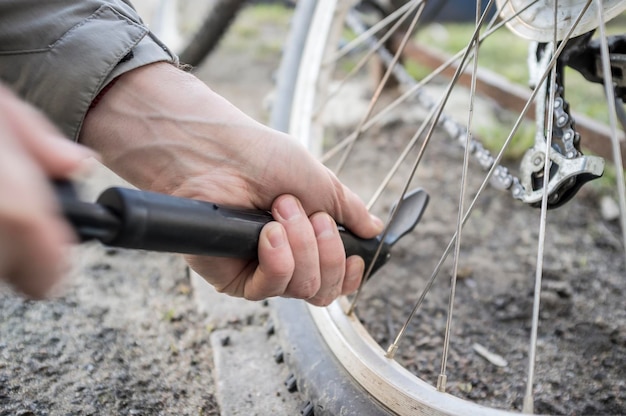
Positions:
{"x": 165, "y": 131}
{"x": 33, "y": 237}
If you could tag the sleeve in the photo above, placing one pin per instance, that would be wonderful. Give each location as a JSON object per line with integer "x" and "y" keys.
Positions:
{"x": 59, "y": 54}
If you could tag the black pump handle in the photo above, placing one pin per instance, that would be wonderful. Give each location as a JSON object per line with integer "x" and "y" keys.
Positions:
{"x": 145, "y": 220}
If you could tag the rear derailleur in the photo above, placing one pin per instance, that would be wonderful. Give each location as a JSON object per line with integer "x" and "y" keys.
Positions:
{"x": 568, "y": 168}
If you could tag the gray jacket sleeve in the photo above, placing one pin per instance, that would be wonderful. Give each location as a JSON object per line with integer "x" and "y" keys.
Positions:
{"x": 59, "y": 54}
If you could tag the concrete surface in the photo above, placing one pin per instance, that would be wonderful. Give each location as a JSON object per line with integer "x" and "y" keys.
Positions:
{"x": 249, "y": 380}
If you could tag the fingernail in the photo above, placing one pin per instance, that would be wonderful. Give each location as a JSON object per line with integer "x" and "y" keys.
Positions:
{"x": 276, "y": 235}
{"x": 323, "y": 226}
{"x": 379, "y": 223}
{"x": 289, "y": 209}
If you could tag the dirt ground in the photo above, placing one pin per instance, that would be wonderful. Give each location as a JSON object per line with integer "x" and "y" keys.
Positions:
{"x": 581, "y": 349}
{"x": 581, "y": 365}
{"x": 125, "y": 337}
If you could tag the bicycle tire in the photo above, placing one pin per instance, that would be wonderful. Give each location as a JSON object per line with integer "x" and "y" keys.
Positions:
{"x": 191, "y": 29}
{"x": 216, "y": 23}
{"x": 321, "y": 343}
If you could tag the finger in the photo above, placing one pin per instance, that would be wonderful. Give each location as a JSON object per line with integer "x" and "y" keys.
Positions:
{"x": 58, "y": 156}
{"x": 33, "y": 256}
{"x": 22, "y": 178}
{"x": 34, "y": 240}
{"x": 276, "y": 264}
{"x": 352, "y": 213}
{"x": 316, "y": 186}
{"x": 355, "y": 268}
{"x": 332, "y": 259}
{"x": 33, "y": 237}
{"x": 306, "y": 280}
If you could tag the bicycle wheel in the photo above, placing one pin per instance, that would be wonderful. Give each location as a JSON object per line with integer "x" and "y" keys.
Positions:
{"x": 363, "y": 362}
{"x": 191, "y": 29}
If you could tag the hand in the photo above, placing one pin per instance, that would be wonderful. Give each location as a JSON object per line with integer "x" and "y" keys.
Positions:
{"x": 165, "y": 131}
{"x": 33, "y": 237}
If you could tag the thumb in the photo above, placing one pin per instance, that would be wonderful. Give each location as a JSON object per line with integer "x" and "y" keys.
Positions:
{"x": 352, "y": 213}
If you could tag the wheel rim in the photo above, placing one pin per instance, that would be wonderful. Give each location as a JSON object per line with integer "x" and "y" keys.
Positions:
{"x": 402, "y": 394}
{"x": 390, "y": 383}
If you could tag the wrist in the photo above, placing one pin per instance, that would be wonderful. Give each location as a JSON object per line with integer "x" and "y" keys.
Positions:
{"x": 157, "y": 126}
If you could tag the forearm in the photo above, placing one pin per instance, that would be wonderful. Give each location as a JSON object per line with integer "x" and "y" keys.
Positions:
{"x": 158, "y": 127}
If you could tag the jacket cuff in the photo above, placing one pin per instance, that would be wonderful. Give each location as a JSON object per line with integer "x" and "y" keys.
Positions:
{"x": 64, "y": 79}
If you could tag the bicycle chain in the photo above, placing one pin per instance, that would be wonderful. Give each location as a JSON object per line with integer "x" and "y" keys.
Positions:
{"x": 501, "y": 178}
{"x": 573, "y": 169}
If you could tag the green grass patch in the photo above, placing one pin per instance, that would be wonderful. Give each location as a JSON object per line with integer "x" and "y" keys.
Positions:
{"x": 494, "y": 136}
{"x": 270, "y": 13}
{"x": 502, "y": 52}
{"x": 416, "y": 70}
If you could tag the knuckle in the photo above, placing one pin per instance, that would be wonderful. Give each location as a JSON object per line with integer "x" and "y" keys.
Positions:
{"x": 326, "y": 295}
{"x": 305, "y": 289}
{"x": 334, "y": 261}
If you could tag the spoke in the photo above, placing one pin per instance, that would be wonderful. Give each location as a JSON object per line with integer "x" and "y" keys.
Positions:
{"x": 432, "y": 121}
{"x": 528, "y": 404}
{"x": 442, "y": 379}
{"x": 428, "y": 120}
{"x": 437, "y": 114}
{"x": 392, "y": 349}
{"x": 414, "y": 88}
{"x": 359, "y": 40}
{"x": 374, "y": 48}
{"x": 380, "y": 87}
{"x": 610, "y": 94}
{"x": 474, "y": 41}
{"x": 426, "y": 102}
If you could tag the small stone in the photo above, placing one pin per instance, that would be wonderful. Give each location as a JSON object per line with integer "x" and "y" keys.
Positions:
{"x": 225, "y": 341}
{"x": 609, "y": 208}
{"x": 493, "y": 358}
